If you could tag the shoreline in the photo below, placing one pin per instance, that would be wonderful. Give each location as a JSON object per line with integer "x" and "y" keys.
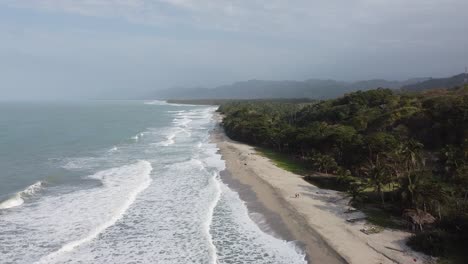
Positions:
{"x": 316, "y": 220}
{"x": 263, "y": 206}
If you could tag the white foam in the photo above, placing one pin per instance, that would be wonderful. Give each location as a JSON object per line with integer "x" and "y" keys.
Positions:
{"x": 169, "y": 140}
{"x": 138, "y": 136}
{"x": 260, "y": 248}
{"x": 18, "y": 198}
{"x": 82, "y": 163}
{"x": 108, "y": 181}
{"x": 184, "y": 214}
{"x": 32, "y": 189}
{"x": 168, "y": 224}
{"x": 156, "y": 102}
{"x": 213, "y": 181}
{"x": 160, "y": 102}
{"x": 182, "y": 122}
{"x": 11, "y": 202}
{"x": 113, "y": 149}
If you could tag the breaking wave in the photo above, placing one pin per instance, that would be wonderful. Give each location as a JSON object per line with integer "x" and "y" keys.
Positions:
{"x": 18, "y": 198}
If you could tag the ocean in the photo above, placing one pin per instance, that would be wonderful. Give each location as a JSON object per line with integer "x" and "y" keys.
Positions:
{"x": 121, "y": 182}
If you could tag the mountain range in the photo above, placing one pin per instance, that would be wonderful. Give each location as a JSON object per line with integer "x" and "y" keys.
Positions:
{"x": 436, "y": 83}
{"x": 312, "y": 88}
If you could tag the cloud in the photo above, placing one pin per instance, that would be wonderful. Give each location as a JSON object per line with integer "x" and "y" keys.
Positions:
{"x": 334, "y": 24}
{"x": 260, "y": 15}
{"x": 322, "y": 21}
{"x": 140, "y": 43}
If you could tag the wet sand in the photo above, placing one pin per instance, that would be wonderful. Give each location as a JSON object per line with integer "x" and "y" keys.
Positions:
{"x": 316, "y": 220}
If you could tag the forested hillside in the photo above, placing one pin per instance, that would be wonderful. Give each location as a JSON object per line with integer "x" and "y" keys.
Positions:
{"x": 391, "y": 151}
{"x": 436, "y": 83}
{"x": 260, "y": 89}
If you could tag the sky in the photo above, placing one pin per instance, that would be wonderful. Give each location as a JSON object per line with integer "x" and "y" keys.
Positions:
{"x": 53, "y": 49}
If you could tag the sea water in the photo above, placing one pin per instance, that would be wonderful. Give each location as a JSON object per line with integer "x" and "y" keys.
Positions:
{"x": 121, "y": 182}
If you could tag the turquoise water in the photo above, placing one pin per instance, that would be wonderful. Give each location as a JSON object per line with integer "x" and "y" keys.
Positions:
{"x": 121, "y": 182}
{"x": 36, "y": 137}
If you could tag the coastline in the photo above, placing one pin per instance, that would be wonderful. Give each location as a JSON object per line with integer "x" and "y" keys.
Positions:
{"x": 316, "y": 220}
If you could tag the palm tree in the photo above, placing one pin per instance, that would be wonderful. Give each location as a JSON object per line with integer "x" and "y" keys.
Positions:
{"x": 412, "y": 156}
{"x": 355, "y": 191}
{"x": 324, "y": 163}
{"x": 378, "y": 174}
{"x": 413, "y": 162}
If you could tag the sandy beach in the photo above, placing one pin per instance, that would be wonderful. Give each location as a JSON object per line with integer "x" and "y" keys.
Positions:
{"x": 316, "y": 219}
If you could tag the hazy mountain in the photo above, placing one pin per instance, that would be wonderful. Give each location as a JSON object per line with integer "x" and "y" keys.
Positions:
{"x": 438, "y": 83}
{"x": 256, "y": 89}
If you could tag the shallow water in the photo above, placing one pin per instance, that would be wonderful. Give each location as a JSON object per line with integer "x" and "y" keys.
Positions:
{"x": 143, "y": 187}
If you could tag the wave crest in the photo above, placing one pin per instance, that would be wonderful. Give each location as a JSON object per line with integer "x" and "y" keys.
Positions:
{"x": 113, "y": 180}
{"x": 18, "y": 198}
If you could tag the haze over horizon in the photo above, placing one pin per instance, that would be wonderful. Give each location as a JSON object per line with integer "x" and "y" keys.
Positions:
{"x": 53, "y": 49}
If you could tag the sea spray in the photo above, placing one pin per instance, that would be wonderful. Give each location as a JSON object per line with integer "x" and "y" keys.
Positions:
{"x": 18, "y": 198}
{"x": 179, "y": 212}
{"x": 144, "y": 169}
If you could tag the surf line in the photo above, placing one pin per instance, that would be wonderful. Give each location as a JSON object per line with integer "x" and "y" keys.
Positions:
{"x": 217, "y": 196}
{"x": 17, "y": 198}
{"x": 117, "y": 216}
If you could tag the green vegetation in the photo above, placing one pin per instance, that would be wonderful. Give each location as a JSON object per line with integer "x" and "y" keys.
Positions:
{"x": 257, "y": 89}
{"x": 394, "y": 154}
{"x": 437, "y": 83}
{"x": 284, "y": 161}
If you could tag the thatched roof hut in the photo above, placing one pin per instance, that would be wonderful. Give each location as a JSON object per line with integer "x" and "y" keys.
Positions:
{"x": 418, "y": 217}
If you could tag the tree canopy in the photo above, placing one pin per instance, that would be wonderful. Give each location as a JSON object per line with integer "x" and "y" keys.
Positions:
{"x": 411, "y": 149}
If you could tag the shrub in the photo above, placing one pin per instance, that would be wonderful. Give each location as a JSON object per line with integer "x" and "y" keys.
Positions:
{"x": 434, "y": 243}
